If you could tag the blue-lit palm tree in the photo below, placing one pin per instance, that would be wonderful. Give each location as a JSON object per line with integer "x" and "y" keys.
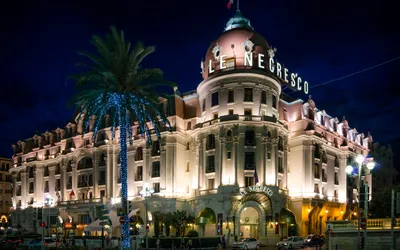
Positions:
{"x": 116, "y": 85}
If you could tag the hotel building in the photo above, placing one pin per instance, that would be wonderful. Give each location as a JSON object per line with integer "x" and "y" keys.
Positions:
{"x": 237, "y": 127}
{"x": 5, "y": 191}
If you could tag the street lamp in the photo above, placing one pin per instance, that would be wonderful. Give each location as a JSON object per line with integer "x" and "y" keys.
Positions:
{"x": 48, "y": 201}
{"x": 146, "y": 192}
{"x": 360, "y": 160}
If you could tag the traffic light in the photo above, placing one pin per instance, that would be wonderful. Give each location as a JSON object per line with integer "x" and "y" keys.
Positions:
{"x": 42, "y": 224}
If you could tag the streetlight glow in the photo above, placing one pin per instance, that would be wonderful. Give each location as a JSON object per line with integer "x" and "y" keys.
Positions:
{"x": 370, "y": 165}
{"x": 360, "y": 159}
{"x": 349, "y": 169}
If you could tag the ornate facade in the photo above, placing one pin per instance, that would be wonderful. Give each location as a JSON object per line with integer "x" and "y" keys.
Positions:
{"x": 5, "y": 191}
{"x": 243, "y": 158}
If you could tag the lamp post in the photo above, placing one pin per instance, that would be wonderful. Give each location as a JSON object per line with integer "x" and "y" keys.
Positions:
{"x": 360, "y": 160}
{"x": 146, "y": 193}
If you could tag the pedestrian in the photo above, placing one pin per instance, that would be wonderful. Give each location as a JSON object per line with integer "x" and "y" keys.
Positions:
{"x": 108, "y": 241}
{"x": 223, "y": 242}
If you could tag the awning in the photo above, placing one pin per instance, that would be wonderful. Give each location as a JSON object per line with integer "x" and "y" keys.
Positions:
{"x": 133, "y": 212}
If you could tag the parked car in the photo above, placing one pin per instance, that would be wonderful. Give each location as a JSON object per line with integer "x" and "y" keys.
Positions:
{"x": 246, "y": 243}
{"x": 291, "y": 242}
{"x": 314, "y": 240}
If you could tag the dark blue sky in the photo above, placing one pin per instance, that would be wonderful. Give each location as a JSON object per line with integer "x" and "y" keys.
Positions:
{"x": 321, "y": 40}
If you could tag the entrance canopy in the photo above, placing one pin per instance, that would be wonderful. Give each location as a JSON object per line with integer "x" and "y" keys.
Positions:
{"x": 206, "y": 216}
{"x": 94, "y": 226}
{"x": 286, "y": 216}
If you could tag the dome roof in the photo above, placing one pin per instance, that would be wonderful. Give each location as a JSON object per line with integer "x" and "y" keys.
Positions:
{"x": 239, "y": 36}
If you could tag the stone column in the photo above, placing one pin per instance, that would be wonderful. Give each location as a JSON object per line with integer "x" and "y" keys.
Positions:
{"x": 38, "y": 184}
{"x": 308, "y": 166}
{"x": 63, "y": 181}
{"x": 95, "y": 173}
{"x": 146, "y": 165}
{"x": 74, "y": 179}
{"x": 263, "y": 173}
{"x": 107, "y": 160}
{"x": 203, "y": 166}
{"x": 131, "y": 173}
{"x": 342, "y": 191}
{"x": 221, "y": 157}
{"x": 52, "y": 181}
{"x": 24, "y": 188}
{"x": 199, "y": 159}
{"x": 115, "y": 172}
{"x": 285, "y": 163}
{"x": 274, "y": 160}
{"x": 236, "y": 166}
{"x": 163, "y": 167}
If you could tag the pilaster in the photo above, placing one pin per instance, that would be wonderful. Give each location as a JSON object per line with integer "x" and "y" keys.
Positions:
{"x": 95, "y": 174}
{"x": 163, "y": 167}
{"x": 74, "y": 179}
{"x": 63, "y": 181}
{"x": 24, "y": 187}
{"x": 38, "y": 184}
{"x": 52, "y": 181}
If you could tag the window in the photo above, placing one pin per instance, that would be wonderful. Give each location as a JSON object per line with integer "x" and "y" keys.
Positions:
{"x": 316, "y": 171}
{"x": 215, "y": 115}
{"x": 204, "y": 104}
{"x": 280, "y": 143}
{"x": 210, "y": 164}
{"x": 139, "y": 189}
{"x": 210, "y": 142}
{"x": 335, "y": 195}
{"x": 214, "y": 99}
{"x": 102, "y": 193}
{"x": 280, "y": 165}
{"x": 187, "y": 167}
{"x": 248, "y": 181}
{"x": 264, "y": 97}
{"x": 249, "y": 161}
{"x": 248, "y": 112}
{"x": 155, "y": 149}
{"x": 269, "y": 155}
{"x": 231, "y": 98}
{"x": 316, "y": 188}
{"x": 210, "y": 183}
{"x": 187, "y": 146}
{"x": 324, "y": 176}
{"x": 139, "y": 173}
{"x": 248, "y": 95}
{"x": 228, "y": 155}
{"x": 230, "y": 111}
{"x": 156, "y": 187}
{"x": 336, "y": 179}
{"x": 322, "y": 120}
{"x": 249, "y": 138}
{"x": 274, "y": 104}
{"x": 155, "y": 169}
{"x": 139, "y": 154}
{"x": 279, "y": 183}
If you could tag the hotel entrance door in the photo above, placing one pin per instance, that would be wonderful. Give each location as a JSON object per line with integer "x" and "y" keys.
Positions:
{"x": 249, "y": 223}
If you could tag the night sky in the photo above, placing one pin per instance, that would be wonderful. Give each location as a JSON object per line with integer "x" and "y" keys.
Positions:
{"x": 321, "y": 40}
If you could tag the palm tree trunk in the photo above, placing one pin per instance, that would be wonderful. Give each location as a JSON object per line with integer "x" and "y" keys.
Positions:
{"x": 124, "y": 180}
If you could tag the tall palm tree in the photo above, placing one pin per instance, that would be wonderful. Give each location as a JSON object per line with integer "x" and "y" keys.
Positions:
{"x": 116, "y": 85}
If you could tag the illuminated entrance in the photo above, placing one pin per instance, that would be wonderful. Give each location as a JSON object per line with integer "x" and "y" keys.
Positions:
{"x": 249, "y": 223}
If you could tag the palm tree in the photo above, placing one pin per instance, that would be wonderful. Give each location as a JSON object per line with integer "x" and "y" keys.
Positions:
{"x": 116, "y": 85}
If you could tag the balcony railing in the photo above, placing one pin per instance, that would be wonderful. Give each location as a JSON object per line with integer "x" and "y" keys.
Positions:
{"x": 85, "y": 184}
{"x": 155, "y": 174}
{"x": 139, "y": 178}
{"x": 79, "y": 202}
{"x": 102, "y": 182}
{"x": 250, "y": 166}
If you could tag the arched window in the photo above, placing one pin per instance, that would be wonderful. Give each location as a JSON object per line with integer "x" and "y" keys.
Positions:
{"x": 139, "y": 154}
{"x": 210, "y": 142}
{"x": 229, "y": 133}
{"x": 250, "y": 139}
{"x": 85, "y": 163}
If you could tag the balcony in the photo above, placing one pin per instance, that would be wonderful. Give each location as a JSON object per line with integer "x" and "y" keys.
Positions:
{"x": 85, "y": 184}
{"x": 155, "y": 174}
{"x": 102, "y": 182}
{"x": 81, "y": 202}
{"x": 69, "y": 185}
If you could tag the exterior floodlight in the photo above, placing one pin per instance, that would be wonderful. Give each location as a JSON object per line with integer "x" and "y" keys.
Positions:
{"x": 360, "y": 159}
{"x": 370, "y": 165}
{"x": 349, "y": 169}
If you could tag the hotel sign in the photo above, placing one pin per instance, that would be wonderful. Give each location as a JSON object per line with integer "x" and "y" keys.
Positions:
{"x": 257, "y": 189}
{"x": 273, "y": 66}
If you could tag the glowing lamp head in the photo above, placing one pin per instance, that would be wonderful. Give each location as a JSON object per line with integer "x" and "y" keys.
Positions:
{"x": 360, "y": 159}
{"x": 370, "y": 165}
{"x": 349, "y": 169}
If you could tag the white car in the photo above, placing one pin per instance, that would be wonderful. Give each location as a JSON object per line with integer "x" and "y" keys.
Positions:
{"x": 246, "y": 243}
{"x": 291, "y": 242}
